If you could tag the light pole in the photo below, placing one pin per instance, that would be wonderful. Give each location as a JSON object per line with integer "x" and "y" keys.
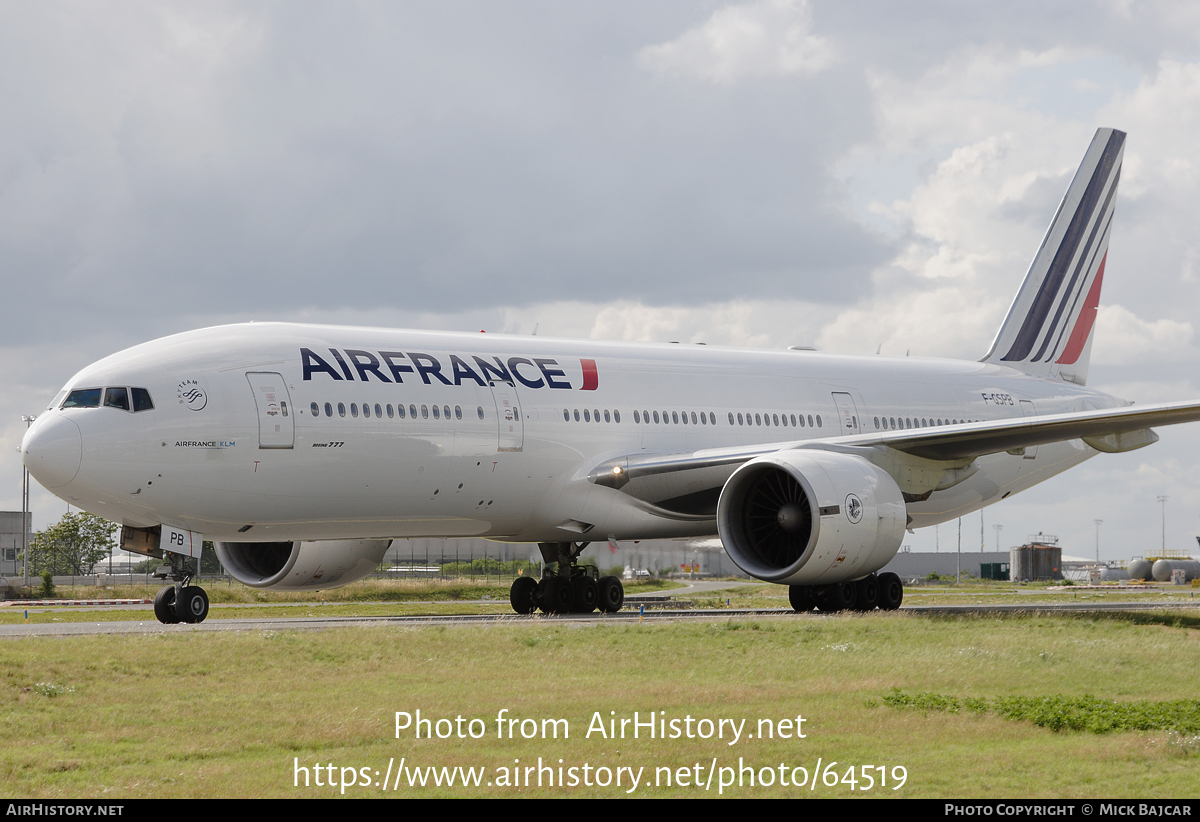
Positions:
{"x": 28, "y": 420}
{"x": 997, "y": 527}
{"x": 1163, "y": 500}
{"x": 1098, "y": 521}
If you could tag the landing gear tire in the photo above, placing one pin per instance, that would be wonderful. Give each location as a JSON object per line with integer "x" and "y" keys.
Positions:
{"x": 554, "y": 595}
{"x": 193, "y": 604}
{"x": 866, "y": 594}
{"x": 522, "y": 596}
{"x": 164, "y": 606}
{"x": 585, "y": 594}
{"x": 891, "y": 592}
{"x": 801, "y": 598}
{"x": 612, "y": 595}
{"x": 838, "y": 596}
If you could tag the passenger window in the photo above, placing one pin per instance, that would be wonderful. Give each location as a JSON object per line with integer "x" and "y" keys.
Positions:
{"x": 566, "y": 415}
{"x": 116, "y": 398}
{"x": 400, "y": 410}
{"x": 731, "y": 418}
{"x": 378, "y": 410}
{"x": 389, "y": 410}
{"x": 693, "y": 418}
{"x": 576, "y": 415}
{"x": 675, "y": 417}
{"x": 328, "y": 410}
{"x": 606, "y": 419}
{"x": 341, "y": 409}
{"x": 425, "y": 411}
{"x": 366, "y": 411}
{"x": 656, "y": 416}
{"x": 446, "y": 411}
{"x": 436, "y": 413}
{"x": 458, "y": 412}
{"x": 141, "y": 400}
{"x": 412, "y": 411}
{"x": 83, "y": 398}
{"x": 315, "y": 409}
{"x": 617, "y": 416}
{"x": 354, "y": 409}
{"x": 637, "y": 417}
{"x": 480, "y": 410}
{"x": 587, "y": 415}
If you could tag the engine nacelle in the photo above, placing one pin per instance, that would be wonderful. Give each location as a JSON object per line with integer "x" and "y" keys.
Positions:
{"x": 811, "y": 517}
{"x": 301, "y": 566}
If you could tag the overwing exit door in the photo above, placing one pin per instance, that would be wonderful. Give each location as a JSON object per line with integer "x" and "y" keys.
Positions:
{"x": 847, "y": 412}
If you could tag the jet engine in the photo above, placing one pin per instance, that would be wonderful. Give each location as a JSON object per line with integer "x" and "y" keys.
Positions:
{"x": 301, "y": 566}
{"x": 810, "y": 517}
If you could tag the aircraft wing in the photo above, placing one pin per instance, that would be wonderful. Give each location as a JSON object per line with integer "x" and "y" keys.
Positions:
{"x": 690, "y": 482}
{"x": 1109, "y": 429}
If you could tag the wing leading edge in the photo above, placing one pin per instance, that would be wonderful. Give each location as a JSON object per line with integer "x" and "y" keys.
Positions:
{"x": 688, "y": 483}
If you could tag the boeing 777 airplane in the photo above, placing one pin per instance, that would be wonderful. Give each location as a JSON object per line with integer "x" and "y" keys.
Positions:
{"x": 303, "y": 450}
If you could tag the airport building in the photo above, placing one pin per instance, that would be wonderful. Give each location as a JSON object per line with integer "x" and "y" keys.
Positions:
{"x": 10, "y": 542}
{"x": 910, "y": 565}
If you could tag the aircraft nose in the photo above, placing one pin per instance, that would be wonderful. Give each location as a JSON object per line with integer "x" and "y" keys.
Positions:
{"x": 52, "y": 450}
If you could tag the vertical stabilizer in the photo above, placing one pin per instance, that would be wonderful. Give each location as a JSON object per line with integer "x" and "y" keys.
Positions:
{"x": 1048, "y": 330}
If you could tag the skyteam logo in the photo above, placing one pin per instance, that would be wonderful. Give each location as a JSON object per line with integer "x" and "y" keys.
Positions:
{"x": 854, "y": 509}
{"x": 190, "y": 394}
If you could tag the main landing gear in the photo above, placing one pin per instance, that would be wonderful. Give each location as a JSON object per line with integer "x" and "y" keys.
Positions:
{"x": 181, "y": 601}
{"x": 570, "y": 589}
{"x": 884, "y": 591}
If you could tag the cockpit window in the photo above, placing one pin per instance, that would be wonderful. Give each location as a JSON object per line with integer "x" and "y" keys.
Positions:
{"x": 83, "y": 398}
{"x": 141, "y": 400}
{"x": 116, "y": 398}
{"x": 57, "y": 399}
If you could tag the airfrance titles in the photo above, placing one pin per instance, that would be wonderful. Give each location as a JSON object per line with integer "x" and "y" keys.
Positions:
{"x": 355, "y": 364}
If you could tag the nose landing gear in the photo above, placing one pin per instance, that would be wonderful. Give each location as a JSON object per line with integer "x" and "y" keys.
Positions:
{"x": 180, "y": 601}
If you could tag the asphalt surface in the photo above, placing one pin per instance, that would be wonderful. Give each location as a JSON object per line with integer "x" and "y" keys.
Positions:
{"x": 152, "y": 626}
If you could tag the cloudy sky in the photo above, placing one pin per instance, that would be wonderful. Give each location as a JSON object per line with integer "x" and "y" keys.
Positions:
{"x": 851, "y": 175}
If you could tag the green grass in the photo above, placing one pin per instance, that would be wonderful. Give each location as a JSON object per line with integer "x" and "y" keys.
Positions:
{"x": 232, "y": 714}
{"x": 1059, "y": 713}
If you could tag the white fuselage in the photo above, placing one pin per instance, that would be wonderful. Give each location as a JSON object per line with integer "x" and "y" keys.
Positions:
{"x": 218, "y": 455}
